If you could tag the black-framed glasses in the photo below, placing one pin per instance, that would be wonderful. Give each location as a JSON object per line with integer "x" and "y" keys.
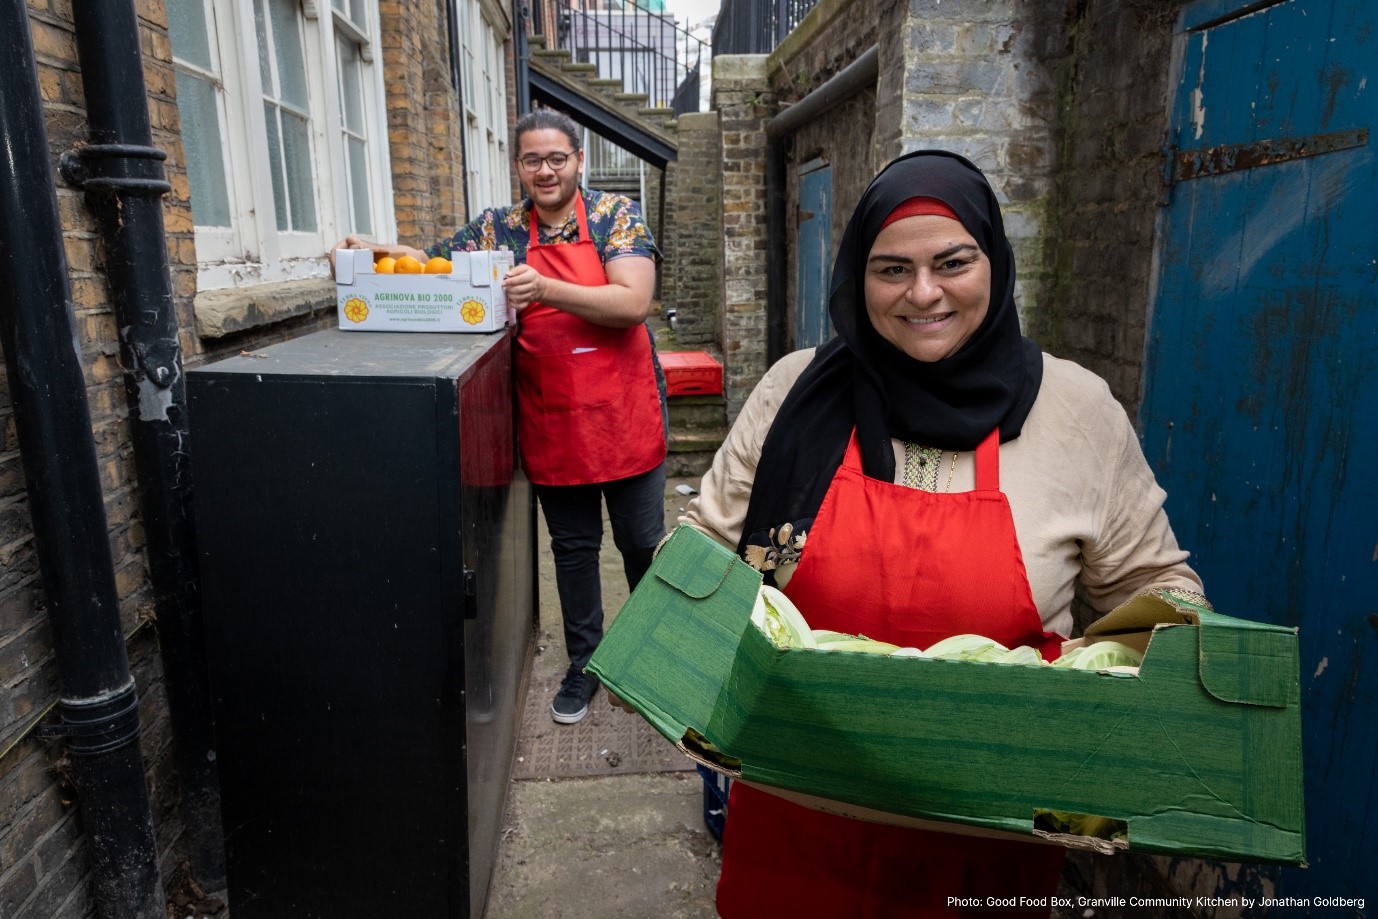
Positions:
{"x": 532, "y": 163}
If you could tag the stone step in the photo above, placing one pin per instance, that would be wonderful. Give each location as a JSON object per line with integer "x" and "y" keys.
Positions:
{"x": 634, "y": 99}
{"x": 578, "y": 67}
{"x": 698, "y": 414}
{"x": 662, "y": 111}
{"x": 552, "y": 57}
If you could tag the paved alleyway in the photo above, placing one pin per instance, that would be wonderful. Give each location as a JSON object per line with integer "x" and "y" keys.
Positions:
{"x": 628, "y": 845}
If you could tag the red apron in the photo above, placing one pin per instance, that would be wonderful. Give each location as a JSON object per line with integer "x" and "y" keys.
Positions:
{"x": 588, "y": 409}
{"x": 909, "y": 567}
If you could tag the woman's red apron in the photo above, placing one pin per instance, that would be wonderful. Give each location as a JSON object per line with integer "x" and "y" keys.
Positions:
{"x": 909, "y": 567}
{"x": 588, "y": 408}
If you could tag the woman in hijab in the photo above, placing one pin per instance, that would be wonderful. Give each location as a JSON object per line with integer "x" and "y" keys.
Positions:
{"x": 927, "y": 473}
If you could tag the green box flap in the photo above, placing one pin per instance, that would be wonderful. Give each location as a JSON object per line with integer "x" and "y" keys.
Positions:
{"x": 1251, "y": 663}
{"x": 687, "y": 610}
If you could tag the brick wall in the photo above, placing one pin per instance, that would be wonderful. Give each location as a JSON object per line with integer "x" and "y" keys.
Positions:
{"x": 981, "y": 79}
{"x": 44, "y": 864}
{"x": 744, "y": 101}
{"x": 43, "y": 860}
{"x": 1101, "y": 250}
{"x": 424, "y": 128}
{"x": 692, "y": 277}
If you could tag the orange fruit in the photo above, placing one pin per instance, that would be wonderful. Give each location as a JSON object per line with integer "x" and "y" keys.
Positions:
{"x": 407, "y": 265}
{"x": 385, "y": 265}
{"x": 438, "y": 265}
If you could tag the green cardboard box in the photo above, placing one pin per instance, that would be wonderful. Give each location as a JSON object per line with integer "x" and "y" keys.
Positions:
{"x": 1198, "y": 754}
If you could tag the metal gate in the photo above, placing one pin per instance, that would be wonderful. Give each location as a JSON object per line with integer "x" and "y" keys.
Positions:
{"x": 812, "y": 325}
{"x": 1260, "y": 412}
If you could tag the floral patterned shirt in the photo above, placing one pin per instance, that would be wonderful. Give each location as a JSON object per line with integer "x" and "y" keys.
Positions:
{"x": 615, "y": 223}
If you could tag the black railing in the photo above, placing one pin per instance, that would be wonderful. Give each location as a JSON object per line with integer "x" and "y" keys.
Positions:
{"x": 635, "y": 41}
{"x": 687, "y": 95}
{"x": 756, "y": 26}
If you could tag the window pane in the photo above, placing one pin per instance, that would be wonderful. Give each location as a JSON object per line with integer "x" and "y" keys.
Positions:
{"x": 265, "y": 66}
{"x": 270, "y": 116}
{"x": 186, "y": 26}
{"x": 351, "y": 86}
{"x": 301, "y": 191}
{"x": 291, "y": 62}
{"x": 358, "y": 182}
{"x": 210, "y": 198}
{"x": 357, "y": 12}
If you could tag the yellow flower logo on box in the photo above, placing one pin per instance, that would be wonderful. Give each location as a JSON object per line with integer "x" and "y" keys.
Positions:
{"x": 472, "y": 311}
{"x": 356, "y": 309}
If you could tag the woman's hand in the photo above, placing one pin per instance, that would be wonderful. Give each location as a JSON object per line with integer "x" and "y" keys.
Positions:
{"x": 356, "y": 242}
{"x": 618, "y": 703}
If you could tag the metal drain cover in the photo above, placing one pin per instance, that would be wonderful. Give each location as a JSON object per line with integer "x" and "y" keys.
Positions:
{"x": 608, "y": 741}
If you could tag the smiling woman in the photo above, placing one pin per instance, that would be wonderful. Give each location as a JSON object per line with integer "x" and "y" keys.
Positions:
{"x": 828, "y": 484}
{"x": 927, "y": 282}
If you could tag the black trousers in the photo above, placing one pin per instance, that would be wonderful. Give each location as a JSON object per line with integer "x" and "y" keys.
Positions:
{"x": 574, "y": 516}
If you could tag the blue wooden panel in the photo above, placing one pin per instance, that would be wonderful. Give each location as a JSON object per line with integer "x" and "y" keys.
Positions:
{"x": 1260, "y": 412}
{"x": 814, "y": 259}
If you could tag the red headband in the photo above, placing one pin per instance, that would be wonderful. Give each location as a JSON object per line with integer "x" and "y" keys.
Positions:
{"x": 918, "y": 207}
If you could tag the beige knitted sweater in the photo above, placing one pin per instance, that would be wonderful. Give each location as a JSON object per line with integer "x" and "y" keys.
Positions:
{"x": 1085, "y": 503}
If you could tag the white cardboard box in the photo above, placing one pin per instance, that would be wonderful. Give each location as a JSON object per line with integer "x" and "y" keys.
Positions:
{"x": 468, "y": 299}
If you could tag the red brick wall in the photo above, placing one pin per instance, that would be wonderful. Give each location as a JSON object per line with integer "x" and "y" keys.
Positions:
{"x": 43, "y": 860}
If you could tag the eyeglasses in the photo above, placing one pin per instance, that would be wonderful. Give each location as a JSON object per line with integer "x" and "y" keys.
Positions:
{"x": 556, "y": 161}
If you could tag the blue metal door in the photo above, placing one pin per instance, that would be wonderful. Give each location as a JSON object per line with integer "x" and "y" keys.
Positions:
{"x": 812, "y": 326}
{"x": 1260, "y": 411}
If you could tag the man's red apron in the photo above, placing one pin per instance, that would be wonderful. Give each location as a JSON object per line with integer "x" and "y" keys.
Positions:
{"x": 588, "y": 409}
{"x": 909, "y": 567}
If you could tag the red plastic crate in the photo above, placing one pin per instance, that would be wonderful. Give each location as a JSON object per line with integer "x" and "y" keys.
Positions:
{"x": 691, "y": 373}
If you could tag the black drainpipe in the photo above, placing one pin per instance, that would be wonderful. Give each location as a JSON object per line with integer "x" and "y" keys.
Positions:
{"x": 122, "y": 174}
{"x": 844, "y": 84}
{"x": 97, "y": 703}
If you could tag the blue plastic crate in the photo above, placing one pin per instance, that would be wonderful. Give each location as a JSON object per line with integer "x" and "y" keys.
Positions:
{"x": 715, "y": 788}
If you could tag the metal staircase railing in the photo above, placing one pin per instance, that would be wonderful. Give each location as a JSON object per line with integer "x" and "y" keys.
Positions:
{"x": 636, "y": 41}
{"x": 756, "y": 26}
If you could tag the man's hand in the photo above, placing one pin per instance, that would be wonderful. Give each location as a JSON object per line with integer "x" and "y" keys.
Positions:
{"x": 356, "y": 242}
{"x": 524, "y": 285}
{"x": 623, "y": 302}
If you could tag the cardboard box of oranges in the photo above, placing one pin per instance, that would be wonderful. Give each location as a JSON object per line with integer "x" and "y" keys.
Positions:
{"x": 460, "y": 294}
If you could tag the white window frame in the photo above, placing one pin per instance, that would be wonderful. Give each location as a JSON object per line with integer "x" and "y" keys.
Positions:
{"x": 483, "y": 31}
{"x": 253, "y": 250}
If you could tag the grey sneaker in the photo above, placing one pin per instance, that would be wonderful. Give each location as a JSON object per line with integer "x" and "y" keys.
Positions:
{"x": 572, "y": 701}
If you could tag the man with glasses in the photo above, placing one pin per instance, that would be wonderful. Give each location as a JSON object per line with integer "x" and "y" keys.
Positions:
{"x": 591, "y": 416}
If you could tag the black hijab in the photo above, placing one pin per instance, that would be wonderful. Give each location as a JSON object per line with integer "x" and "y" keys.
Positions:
{"x": 860, "y": 380}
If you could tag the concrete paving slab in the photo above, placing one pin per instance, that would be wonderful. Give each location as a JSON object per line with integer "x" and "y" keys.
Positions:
{"x": 616, "y": 847}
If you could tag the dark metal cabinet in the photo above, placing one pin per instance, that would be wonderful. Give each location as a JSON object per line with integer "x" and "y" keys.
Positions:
{"x": 367, "y": 565}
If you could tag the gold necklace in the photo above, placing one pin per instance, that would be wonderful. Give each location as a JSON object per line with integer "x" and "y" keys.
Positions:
{"x": 922, "y": 465}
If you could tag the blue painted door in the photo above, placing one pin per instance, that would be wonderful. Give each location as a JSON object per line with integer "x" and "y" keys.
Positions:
{"x": 1260, "y": 411}
{"x": 812, "y": 326}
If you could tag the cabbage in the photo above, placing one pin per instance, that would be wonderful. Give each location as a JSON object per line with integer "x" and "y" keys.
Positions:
{"x": 1021, "y": 655}
{"x": 823, "y": 636}
{"x": 1101, "y": 655}
{"x": 858, "y": 643}
{"x": 967, "y": 648}
{"x": 781, "y": 620}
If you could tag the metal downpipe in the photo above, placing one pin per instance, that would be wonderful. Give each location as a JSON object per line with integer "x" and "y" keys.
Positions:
{"x": 121, "y": 173}
{"x": 97, "y": 704}
{"x": 844, "y": 84}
